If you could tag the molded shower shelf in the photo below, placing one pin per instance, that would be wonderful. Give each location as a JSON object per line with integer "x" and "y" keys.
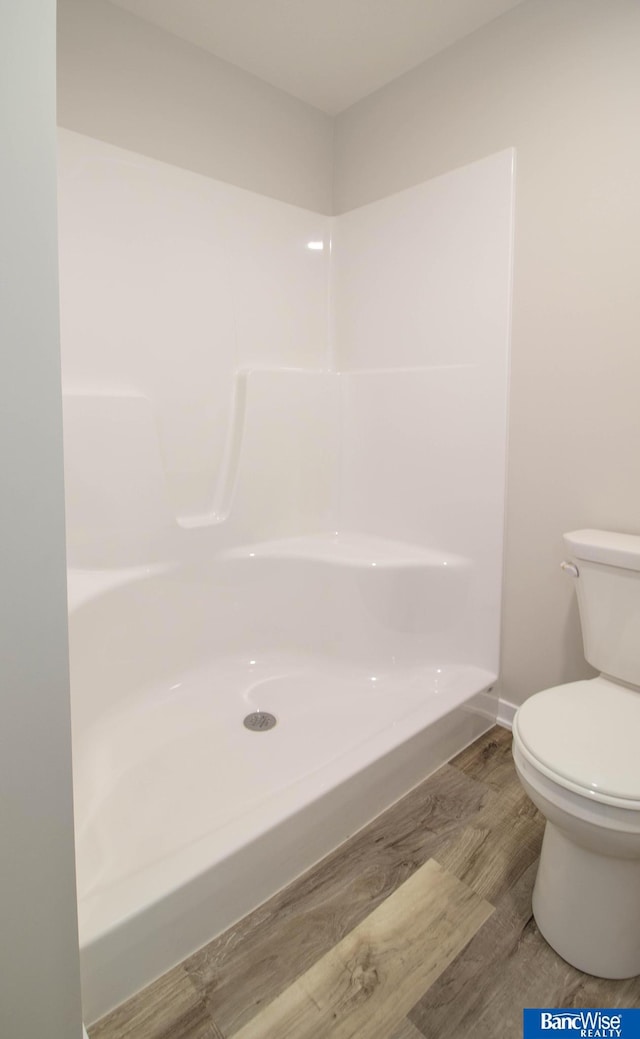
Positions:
{"x": 348, "y": 549}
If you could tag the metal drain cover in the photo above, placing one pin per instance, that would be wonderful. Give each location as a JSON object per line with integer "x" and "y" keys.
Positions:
{"x": 260, "y": 721}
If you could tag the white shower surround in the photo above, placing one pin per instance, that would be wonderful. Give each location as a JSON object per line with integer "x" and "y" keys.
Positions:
{"x": 285, "y": 490}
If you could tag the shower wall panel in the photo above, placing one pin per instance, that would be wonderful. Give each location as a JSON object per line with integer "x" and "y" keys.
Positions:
{"x": 422, "y": 278}
{"x": 421, "y": 287}
{"x": 217, "y": 396}
{"x": 171, "y": 282}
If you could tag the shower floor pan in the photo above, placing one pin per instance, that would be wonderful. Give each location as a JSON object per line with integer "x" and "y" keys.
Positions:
{"x": 186, "y": 819}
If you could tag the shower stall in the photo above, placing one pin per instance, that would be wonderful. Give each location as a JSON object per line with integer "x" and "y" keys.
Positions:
{"x": 285, "y": 441}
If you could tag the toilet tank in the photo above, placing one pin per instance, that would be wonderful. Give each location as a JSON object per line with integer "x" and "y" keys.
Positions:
{"x": 608, "y": 590}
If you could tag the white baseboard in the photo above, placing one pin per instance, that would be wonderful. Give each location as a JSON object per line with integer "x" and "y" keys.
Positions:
{"x": 506, "y": 712}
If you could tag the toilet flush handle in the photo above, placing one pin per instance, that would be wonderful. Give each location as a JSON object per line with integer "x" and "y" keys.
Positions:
{"x": 570, "y": 568}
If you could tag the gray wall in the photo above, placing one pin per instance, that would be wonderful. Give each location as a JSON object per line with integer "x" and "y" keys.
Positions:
{"x": 128, "y": 82}
{"x": 560, "y": 80}
{"x": 39, "y": 973}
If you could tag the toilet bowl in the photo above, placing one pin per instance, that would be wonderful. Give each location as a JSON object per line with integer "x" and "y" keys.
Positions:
{"x": 586, "y": 899}
{"x": 576, "y": 749}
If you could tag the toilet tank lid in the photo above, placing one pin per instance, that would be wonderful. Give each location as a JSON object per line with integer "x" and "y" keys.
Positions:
{"x": 605, "y": 546}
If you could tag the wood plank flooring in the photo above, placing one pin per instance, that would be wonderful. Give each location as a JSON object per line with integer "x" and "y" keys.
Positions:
{"x": 418, "y": 927}
{"x": 366, "y": 983}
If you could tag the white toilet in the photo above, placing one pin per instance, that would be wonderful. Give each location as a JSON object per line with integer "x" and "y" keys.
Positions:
{"x": 576, "y": 749}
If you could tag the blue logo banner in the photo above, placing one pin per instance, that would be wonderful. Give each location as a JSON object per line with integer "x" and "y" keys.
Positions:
{"x": 592, "y": 1023}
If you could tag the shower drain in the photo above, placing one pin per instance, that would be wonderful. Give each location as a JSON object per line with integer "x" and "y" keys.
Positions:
{"x": 260, "y": 721}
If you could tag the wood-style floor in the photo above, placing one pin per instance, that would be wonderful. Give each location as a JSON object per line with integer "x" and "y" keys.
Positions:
{"x": 418, "y": 927}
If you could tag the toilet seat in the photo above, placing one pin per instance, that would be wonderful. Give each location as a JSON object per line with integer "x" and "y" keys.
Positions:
{"x": 584, "y": 737}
